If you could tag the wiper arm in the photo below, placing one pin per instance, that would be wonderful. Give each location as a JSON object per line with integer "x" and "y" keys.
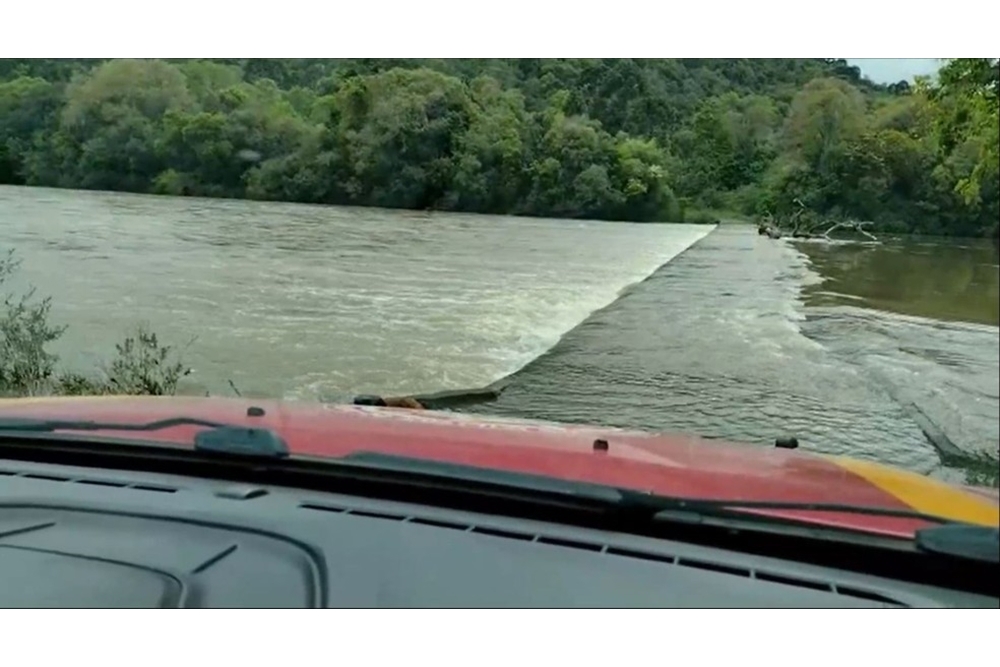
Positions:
{"x": 963, "y": 542}
{"x": 220, "y": 438}
{"x": 466, "y": 474}
{"x": 628, "y": 503}
{"x": 224, "y": 438}
{"x": 831, "y": 508}
{"x": 952, "y": 538}
{"x": 228, "y": 442}
{"x": 627, "y": 507}
{"x": 50, "y": 425}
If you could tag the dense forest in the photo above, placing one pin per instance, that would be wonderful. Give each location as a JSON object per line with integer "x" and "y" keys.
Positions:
{"x": 616, "y": 139}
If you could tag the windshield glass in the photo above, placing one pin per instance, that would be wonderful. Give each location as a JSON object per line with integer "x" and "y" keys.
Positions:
{"x": 735, "y": 250}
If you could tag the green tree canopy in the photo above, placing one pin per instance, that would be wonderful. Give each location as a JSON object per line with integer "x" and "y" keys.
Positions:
{"x": 618, "y": 139}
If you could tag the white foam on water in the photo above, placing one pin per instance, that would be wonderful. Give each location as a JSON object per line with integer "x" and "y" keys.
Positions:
{"x": 309, "y": 302}
{"x": 471, "y": 333}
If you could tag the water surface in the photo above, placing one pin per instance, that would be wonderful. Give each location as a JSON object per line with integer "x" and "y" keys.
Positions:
{"x": 732, "y": 335}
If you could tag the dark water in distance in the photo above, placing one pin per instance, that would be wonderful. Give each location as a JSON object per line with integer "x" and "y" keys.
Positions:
{"x": 746, "y": 338}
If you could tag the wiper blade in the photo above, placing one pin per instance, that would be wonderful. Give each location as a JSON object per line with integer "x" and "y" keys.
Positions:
{"x": 628, "y": 503}
{"x": 829, "y": 508}
{"x": 49, "y": 425}
{"x": 966, "y": 542}
{"x": 457, "y": 472}
{"x": 627, "y": 509}
{"x": 220, "y": 438}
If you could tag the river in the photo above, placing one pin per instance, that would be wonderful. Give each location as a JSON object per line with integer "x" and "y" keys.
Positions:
{"x": 667, "y": 327}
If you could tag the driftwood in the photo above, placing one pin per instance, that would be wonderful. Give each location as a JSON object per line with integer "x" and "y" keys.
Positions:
{"x": 441, "y": 400}
{"x": 403, "y": 402}
{"x": 858, "y": 227}
{"x": 798, "y": 226}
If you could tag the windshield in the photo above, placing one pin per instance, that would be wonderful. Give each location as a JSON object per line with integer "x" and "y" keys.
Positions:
{"x": 735, "y": 252}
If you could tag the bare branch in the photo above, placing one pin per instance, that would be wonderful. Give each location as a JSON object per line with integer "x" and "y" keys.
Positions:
{"x": 856, "y": 226}
{"x": 801, "y": 225}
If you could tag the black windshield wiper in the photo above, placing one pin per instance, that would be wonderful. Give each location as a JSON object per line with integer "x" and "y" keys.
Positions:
{"x": 220, "y": 438}
{"x": 615, "y": 500}
{"x": 962, "y": 542}
{"x": 627, "y": 506}
{"x": 618, "y": 504}
{"x": 49, "y": 425}
{"x": 473, "y": 475}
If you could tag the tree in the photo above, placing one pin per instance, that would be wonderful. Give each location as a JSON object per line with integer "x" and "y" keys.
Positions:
{"x": 575, "y": 137}
{"x": 975, "y": 82}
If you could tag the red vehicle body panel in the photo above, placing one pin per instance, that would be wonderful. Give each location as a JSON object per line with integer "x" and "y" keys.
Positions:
{"x": 677, "y": 465}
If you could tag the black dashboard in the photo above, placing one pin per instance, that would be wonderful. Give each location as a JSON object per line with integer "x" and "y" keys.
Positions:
{"x": 81, "y": 537}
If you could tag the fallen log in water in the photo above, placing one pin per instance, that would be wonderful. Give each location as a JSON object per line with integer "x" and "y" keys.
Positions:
{"x": 440, "y": 400}
{"x": 451, "y": 399}
{"x": 799, "y": 225}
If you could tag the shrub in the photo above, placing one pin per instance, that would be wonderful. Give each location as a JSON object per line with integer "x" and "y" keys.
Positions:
{"x": 141, "y": 365}
{"x": 26, "y": 366}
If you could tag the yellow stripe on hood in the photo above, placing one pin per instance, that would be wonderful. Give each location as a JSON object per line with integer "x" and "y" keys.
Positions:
{"x": 926, "y": 495}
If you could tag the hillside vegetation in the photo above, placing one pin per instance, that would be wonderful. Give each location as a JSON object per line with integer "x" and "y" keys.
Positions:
{"x": 616, "y": 139}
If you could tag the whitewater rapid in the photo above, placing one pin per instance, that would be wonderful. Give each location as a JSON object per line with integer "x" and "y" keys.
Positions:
{"x": 312, "y": 302}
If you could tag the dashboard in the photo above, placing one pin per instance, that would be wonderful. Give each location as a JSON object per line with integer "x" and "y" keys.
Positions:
{"x": 82, "y": 537}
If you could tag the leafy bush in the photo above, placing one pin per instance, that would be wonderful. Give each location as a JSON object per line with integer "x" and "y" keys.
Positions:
{"x": 26, "y": 366}
{"x": 141, "y": 365}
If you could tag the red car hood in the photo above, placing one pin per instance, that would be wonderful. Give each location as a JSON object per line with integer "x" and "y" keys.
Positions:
{"x": 677, "y": 465}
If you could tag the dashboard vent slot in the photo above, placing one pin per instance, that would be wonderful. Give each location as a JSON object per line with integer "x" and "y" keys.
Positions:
{"x": 47, "y": 478}
{"x": 714, "y": 567}
{"x": 151, "y": 487}
{"x": 450, "y": 525}
{"x": 642, "y": 555}
{"x": 801, "y": 583}
{"x": 101, "y": 482}
{"x": 865, "y": 595}
{"x": 503, "y": 534}
{"x": 570, "y": 544}
{"x": 376, "y": 515}
{"x": 89, "y": 481}
{"x": 387, "y": 516}
{"x": 323, "y": 508}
